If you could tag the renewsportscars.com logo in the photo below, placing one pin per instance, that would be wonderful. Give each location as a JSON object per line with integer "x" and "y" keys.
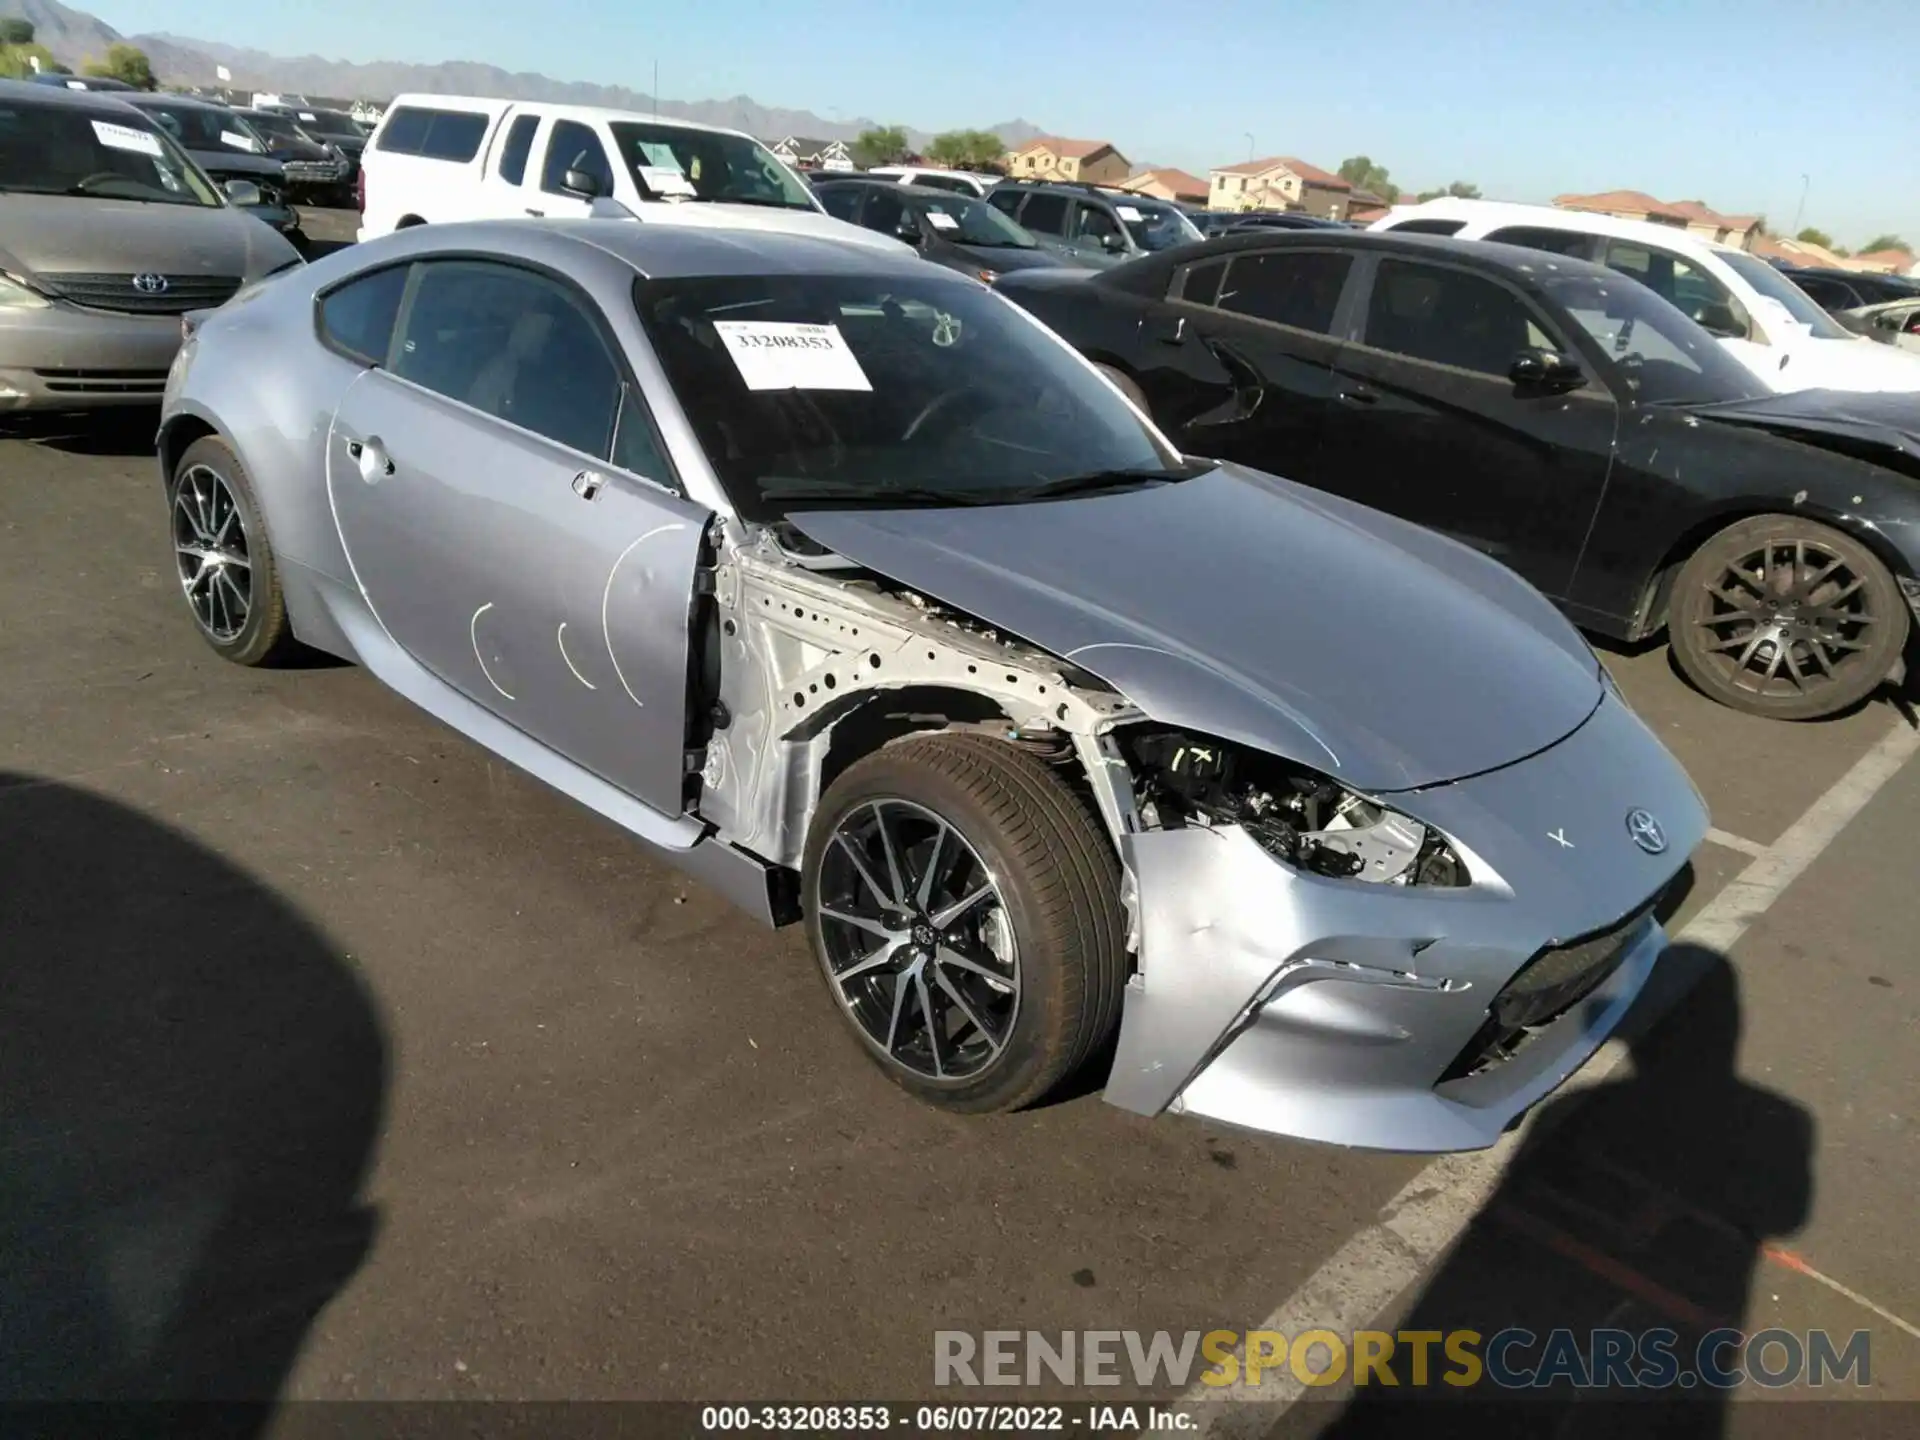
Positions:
{"x": 1510, "y": 1359}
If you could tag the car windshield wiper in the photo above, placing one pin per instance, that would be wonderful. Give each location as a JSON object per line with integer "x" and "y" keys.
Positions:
{"x": 1094, "y": 481}
{"x": 779, "y": 488}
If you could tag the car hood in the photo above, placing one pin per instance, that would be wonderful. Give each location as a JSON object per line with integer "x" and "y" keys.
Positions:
{"x": 1256, "y": 610}
{"x": 54, "y": 234}
{"x": 718, "y": 215}
{"x": 238, "y": 162}
{"x": 1852, "y": 364}
{"x": 1889, "y": 420}
{"x": 1004, "y": 259}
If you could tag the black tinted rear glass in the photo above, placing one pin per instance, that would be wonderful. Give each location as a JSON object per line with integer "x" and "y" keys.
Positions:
{"x": 434, "y": 134}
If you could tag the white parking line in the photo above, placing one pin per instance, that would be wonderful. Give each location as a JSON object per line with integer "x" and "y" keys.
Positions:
{"x": 1365, "y": 1275}
{"x": 1735, "y": 842}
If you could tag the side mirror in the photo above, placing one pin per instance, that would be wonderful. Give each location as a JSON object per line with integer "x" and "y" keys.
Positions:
{"x": 241, "y": 192}
{"x": 1719, "y": 321}
{"x": 1113, "y": 244}
{"x": 1545, "y": 372}
{"x": 579, "y": 182}
{"x": 908, "y": 229}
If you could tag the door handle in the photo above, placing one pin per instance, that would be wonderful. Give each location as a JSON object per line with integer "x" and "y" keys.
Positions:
{"x": 539, "y": 213}
{"x": 371, "y": 457}
{"x": 587, "y": 484}
{"x": 1359, "y": 395}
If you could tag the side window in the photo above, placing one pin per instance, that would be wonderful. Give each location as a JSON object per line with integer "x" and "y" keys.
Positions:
{"x": 1300, "y": 288}
{"x": 884, "y": 211}
{"x": 947, "y": 182}
{"x": 840, "y": 201}
{"x": 574, "y": 146}
{"x": 1201, "y": 286}
{"x": 1827, "y": 294}
{"x": 518, "y": 145}
{"x": 1448, "y": 317}
{"x": 454, "y": 135}
{"x": 516, "y": 345}
{"x": 636, "y": 445}
{"x": 405, "y": 131}
{"x": 1684, "y": 285}
{"x": 1045, "y": 214}
{"x": 1540, "y": 237}
{"x": 1007, "y": 201}
{"x": 1428, "y": 227}
{"x": 358, "y": 317}
{"x": 1094, "y": 225}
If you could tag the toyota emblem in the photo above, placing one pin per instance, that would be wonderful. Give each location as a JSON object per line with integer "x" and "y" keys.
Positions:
{"x": 150, "y": 284}
{"x": 1646, "y": 832}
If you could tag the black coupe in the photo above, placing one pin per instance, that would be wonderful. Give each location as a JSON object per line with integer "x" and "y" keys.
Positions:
{"x": 1555, "y": 415}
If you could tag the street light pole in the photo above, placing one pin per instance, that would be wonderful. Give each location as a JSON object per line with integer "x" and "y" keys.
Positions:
{"x": 1801, "y": 209}
{"x": 1249, "y": 136}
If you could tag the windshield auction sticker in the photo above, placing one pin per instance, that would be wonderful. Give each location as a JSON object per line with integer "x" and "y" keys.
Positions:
{"x": 775, "y": 356}
{"x": 125, "y": 137}
{"x": 940, "y": 220}
{"x": 666, "y": 180}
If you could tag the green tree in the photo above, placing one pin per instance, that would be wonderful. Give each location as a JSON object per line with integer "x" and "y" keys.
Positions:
{"x": 1360, "y": 172}
{"x": 1885, "y": 242}
{"x": 126, "y": 63}
{"x": 16, "y": 61}
{"x": 883, "y": 145}
{"x": 967, "y": 149}
{"x": 15, "y": 31}
{"x": 1458, "y": 190}
{"x": 1812, "y": 235}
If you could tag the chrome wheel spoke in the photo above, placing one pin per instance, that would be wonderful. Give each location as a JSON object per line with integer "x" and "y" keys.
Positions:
{"x": 858, "y": 922}
{"x": 923, "y": 893}
{"x": 943, "y": 918}
{"x": 884, "y": 955}
{"x": 960, "y": 960}
{"x": 967, "y": 1011}
{"x": 852, "y": 852}
{"x": 900, "y": 983}
{"x": 895, "y": 876}
{"x": 933, "y": 1022}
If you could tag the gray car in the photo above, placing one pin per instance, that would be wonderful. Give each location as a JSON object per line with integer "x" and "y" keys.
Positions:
{"x": 108, "y": 234}
{"x": 850, "y": 589}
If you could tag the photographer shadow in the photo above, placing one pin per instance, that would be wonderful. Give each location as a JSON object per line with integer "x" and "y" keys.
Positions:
{"x": 1641, "y": 1205}
{"x": 191, "y": 1085}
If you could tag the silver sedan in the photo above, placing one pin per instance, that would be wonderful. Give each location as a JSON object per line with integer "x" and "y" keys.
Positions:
{"x": 850, "y": 589}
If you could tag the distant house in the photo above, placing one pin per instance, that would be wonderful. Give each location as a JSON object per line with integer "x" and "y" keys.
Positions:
{"x": 1279, "y": 183}
{"x": 1048, "y": 157}
{"x": 1883, "y": 262}
{"x": 1693, "y": 216}
{"x": 1364, "y": 207}
{"x": 1175, "y": 185}
{"x": 804, "y": 153}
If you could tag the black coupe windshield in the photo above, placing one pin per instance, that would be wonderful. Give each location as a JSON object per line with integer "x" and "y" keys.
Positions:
{"x": 1156, "y": 227}
{"x": 204, "y": 127}
{"x": 974, "y": 222}
{"x": 839, "y": 392}
{"x": 49, "y": 150}
{"x": 1663, "y": 357}
{"x": 335, "y": 124}
{"x": 669, "y": 160}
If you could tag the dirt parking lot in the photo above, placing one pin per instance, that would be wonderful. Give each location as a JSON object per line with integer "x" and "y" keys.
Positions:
{"x": 450, "y": 1094}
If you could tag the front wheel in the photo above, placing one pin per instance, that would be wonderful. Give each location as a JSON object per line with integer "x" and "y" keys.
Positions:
{"x": 222, "y": 558}
{"x": 1786, "y": 618}
{"x": 964, "y": 906}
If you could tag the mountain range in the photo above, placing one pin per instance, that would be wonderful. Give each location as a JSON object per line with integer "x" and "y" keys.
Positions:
{"x": 75, "y": 36}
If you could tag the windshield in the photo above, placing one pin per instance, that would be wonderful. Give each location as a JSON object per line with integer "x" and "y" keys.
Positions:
{"x": 1155, "y": 226}
{"x": 46, "y": 150}
{"x": 329, "y": 122}
{"x": 277, "y": 127}
{"x": 199, "y": 127}
{"x": 841, "y": 391}
{"x": 1662, "y": 357}
{"x": 1771, "y": 283}
{"x": 974, "y": 222}
{"x": 707, "y": 165}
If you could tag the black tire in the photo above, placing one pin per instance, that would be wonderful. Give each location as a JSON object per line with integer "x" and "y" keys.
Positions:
{"x": 264, "y": 637}
{"x": 1127, "y": 387}
{"x": 1827, "y": 625}
{"x": 1057, "y": 881}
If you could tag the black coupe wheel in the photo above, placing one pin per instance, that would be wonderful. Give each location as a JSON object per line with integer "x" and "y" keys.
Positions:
{"x": 964, "y": 906}
{"x": 1786, "y": 618}
{"x": 222, "y": 557}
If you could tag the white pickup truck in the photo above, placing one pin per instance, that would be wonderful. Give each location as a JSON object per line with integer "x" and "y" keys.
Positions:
{"x": 437, "y": 158}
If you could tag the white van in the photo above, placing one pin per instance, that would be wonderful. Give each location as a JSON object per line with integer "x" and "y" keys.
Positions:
{"x": 961, "y": 182}
{"x": 437, "y": 158}
{"x": 1768, "y": 323}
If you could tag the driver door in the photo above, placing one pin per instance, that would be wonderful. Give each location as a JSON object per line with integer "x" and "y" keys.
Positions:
{"x": 570, "y": 145}
{"x": 511, "y": 519}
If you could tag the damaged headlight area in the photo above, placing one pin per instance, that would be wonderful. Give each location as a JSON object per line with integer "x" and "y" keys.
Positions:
{"x": 1297, "y": 815}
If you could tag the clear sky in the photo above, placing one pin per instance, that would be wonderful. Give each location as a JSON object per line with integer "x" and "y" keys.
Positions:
{"x": 1727, "y": 101}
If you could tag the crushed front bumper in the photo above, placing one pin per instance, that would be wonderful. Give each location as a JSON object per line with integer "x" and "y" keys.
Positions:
{"x": 64, "y": 357}
{"x": 1374, "y": 1015}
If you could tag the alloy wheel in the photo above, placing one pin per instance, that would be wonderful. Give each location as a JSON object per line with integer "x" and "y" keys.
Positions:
{"x": 210, "y": 552}
{"x": 917, "y": 941}
{"x": 1787, "y": 618}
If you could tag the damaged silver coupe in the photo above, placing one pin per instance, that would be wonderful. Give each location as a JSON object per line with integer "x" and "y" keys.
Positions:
{"x": 850, "y": 589}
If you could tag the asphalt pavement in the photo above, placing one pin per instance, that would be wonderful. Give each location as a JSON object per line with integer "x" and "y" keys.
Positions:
{"x": 329, "y": 1031}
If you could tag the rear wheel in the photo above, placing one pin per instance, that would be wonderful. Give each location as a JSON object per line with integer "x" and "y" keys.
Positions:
{"x": 222, "y": 558}
{"x": 964, "y": 906}
{"x": 1786, "y": 618}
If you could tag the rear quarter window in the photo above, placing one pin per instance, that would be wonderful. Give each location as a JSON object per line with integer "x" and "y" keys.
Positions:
{"x": 357, "y": 318}
{"x": 453, "y": 135}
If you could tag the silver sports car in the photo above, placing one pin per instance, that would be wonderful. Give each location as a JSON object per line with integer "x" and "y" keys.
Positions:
{"x": 852, "y": 590}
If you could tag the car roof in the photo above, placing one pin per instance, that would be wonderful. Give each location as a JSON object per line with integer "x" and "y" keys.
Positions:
{"x": 656, "y": 251}
{"x": 58, "y": 97}
{"x": 1552, "y": 217}
{"x": 191, "y": 102}
{"x": 923, "y": 192}
{"x": 492, "y": 106}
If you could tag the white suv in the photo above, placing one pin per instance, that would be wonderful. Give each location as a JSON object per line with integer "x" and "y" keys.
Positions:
{"x": 961, "y": 182}
{"x": 1770, "y": 324}
{"x": 437, "y": 158}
